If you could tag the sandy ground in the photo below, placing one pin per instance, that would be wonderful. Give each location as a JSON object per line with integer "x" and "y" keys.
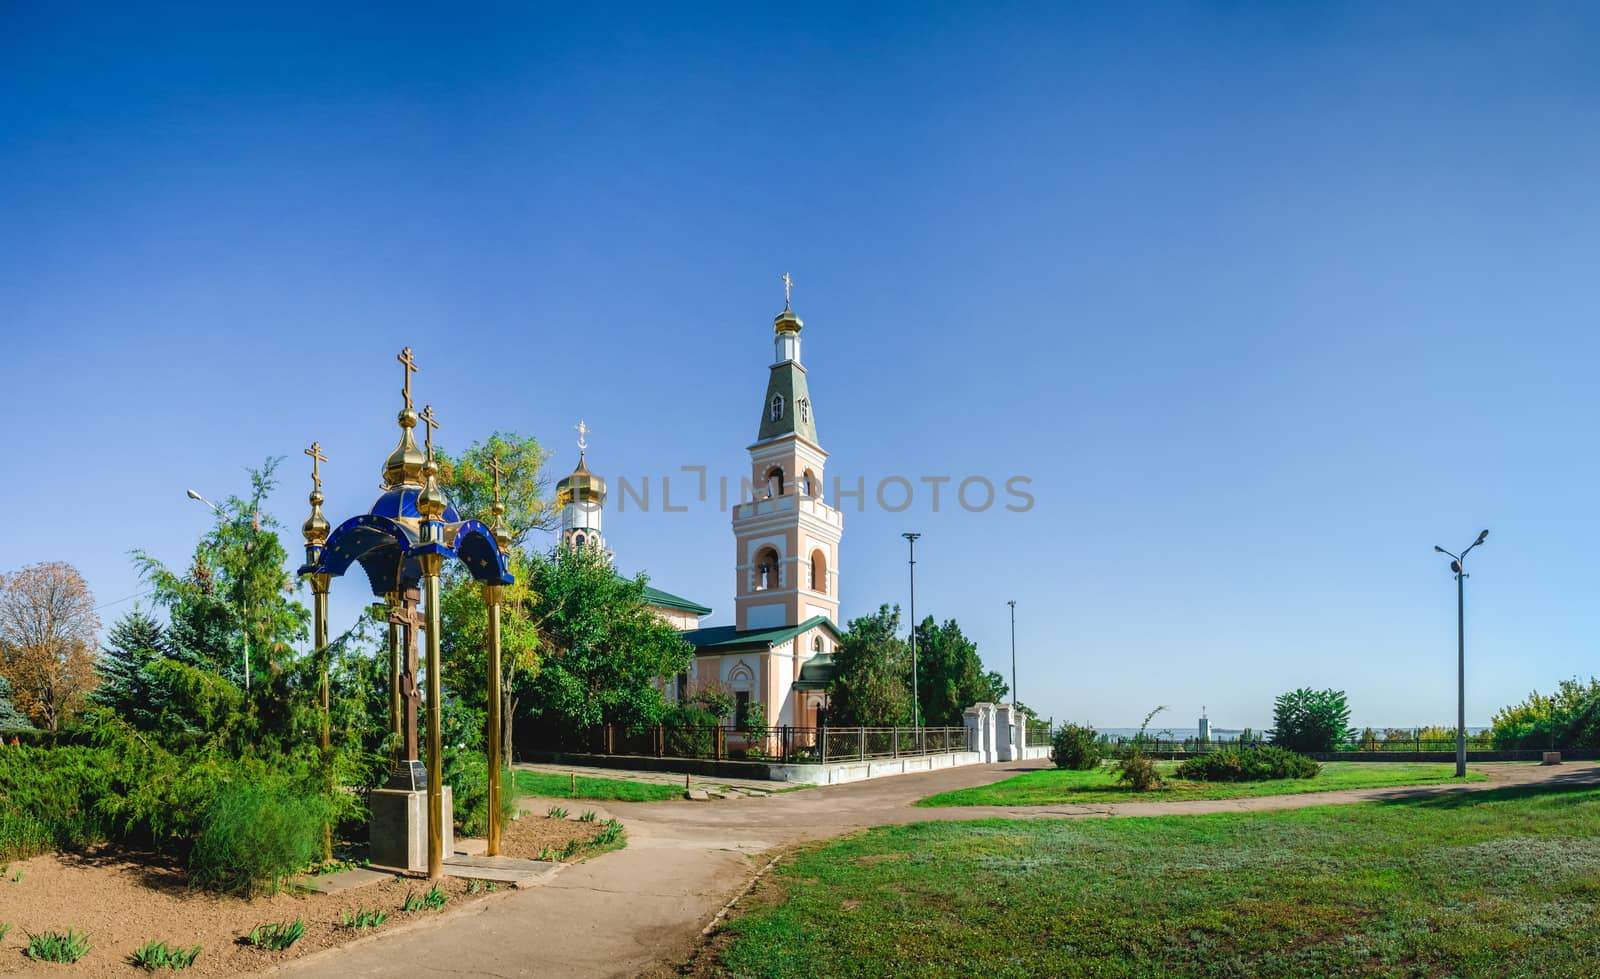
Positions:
{"x": 124, "y": 899}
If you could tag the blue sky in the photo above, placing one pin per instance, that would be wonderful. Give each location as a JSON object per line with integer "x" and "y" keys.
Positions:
{"x": 1265, "y": 300}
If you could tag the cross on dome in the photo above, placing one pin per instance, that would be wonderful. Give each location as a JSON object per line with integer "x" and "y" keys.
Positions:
{"x": 404, "y": 357}
{"x": 315, "y": 452}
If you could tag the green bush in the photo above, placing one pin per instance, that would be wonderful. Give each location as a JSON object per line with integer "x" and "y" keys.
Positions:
{"x": 1257, "y": 764}
{"x": 254, "y": 837}
{"x": 1139, "y": 771}
{"x": 1076, "y": 746}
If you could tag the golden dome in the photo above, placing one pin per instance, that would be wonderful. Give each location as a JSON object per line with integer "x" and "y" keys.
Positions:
{"x": 316, "y": 526}
{"x": 406, "y": 462}
{"x": 431, "y": 503}
{"x": 583, "y": 486}
{"x": 786, "y": 322}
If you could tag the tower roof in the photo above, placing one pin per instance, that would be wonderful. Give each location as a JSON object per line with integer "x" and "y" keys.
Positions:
{"x": 583, "y": 486}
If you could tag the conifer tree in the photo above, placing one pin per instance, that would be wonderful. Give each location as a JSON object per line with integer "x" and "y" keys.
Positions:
{"x": 11, "y": 719}
{"x": 126, "y": 686}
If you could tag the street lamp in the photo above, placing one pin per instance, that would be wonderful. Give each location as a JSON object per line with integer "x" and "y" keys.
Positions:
{"x": 1013, "y": 604}
{"x": 1458, "y": 566}
{"x": 244, "y": 618}
{"x": 916, "y": 700}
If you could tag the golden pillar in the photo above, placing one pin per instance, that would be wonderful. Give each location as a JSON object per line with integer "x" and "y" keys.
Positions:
{"x": 491, "y": 598}
{"x": 432, "y": 564}
{"x": 319, "y": 620}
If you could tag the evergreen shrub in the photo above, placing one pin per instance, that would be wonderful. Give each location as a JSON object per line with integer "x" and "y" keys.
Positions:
{"x": 254, "y": 836}
{"x": 1257, "y": 764}
{"x": 1076, "y": 746}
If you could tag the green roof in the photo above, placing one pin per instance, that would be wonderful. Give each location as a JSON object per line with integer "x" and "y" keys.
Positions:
{"x": 728, "y": 639}
{"x": 816, "y": 673}
{"x": 796, "y": 417}
{"x": 666, "y": 599}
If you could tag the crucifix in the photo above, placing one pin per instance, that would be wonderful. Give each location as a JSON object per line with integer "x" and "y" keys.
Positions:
{"x": 429, "y": 420}
{"x": 404, "y": 357}
{"x": 788, "y": 284}
{"x": 406, "y": 615}
{"x": 583, "y": 435}
{"x": 317, "y": 458}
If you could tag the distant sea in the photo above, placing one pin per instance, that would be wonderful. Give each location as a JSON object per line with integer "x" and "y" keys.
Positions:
{"x": 1179, "y": 733}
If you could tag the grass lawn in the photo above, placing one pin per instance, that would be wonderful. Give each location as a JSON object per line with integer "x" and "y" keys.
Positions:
{"x": 545, "y": 784}
{"x": 1496, "y": 883}
{"x": 1057, "y": 785}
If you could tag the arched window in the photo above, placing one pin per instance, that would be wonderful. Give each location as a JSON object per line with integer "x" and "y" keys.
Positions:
{"x": 777, "y": 407}
{"x": 808, "y": 485}
{"x": 766, "y": 569}
{"x": 816, "y": 646}
{"x": 818, "y": 577}
{"x": 775, "y": 481}
{"x": 577, "y": 542}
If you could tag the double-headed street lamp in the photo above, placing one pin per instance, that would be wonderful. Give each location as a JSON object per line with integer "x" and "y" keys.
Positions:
{"x": 1458, "y": 566}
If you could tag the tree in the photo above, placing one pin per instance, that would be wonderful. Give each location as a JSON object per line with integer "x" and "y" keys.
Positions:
{"x": 126, "y": 684}
{"x": 468, "y": 482}
{"x": 235, "y": 591}
{"x": 11, "y": 719}
{"x": 464, "y": 643}
{"x": 950, "y": 675}
{"x": 1311, "y": 720}
{"x": 47, "y": 632}
{"x": 1567, "y": 718}
{"x": 604, "y": 649}
{"x": 872, "y": 671}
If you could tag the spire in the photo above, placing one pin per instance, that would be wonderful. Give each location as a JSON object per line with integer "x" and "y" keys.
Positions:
{"x": 405, "y": 464}
{"x": 787, "y": 407}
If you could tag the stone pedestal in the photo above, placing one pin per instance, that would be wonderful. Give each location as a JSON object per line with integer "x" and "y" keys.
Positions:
{"x": 399, "y": 828}
{"x": 979, "y": 721}
{"x": 1006, "y": 745}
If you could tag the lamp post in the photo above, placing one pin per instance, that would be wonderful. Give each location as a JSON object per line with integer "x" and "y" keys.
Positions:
{"x": 916, "y": 698}
{"x": 1013, "y": 604}
{"x": 244, "y": 614}
{"x": 1458, "y": 565}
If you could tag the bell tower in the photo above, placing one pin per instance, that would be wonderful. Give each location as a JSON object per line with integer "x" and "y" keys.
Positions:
{"x": 582, "y": 499}
{"x": 787, "y": 537}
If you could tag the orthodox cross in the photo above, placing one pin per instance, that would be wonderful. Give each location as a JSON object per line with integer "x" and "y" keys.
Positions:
{"x": 583, "y": 435}
{"x": 317, "y": 458}
{"x": 788, "y": 284}
{"x": 429, "y": 420}
{"x": 404, "y": 357}
{"x": 498, "y": 470}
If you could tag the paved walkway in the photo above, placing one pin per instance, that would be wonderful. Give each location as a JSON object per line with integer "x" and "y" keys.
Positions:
{"x": 746, "y": 786}
{"x": 637, "y": 909}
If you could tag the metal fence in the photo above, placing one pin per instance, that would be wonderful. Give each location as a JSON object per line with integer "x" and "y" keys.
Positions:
{"x": 784, "y": 743}
{"x": 1392, "y": 743}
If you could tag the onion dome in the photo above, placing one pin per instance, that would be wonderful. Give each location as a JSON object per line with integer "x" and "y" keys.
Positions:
{"x": 431, "y": 502}
{"x": 502, "y": 534}
{"x": 400, "y": 503}
{"x": 405, "y": 464}
{"x": 316, "y": 526}
{"x": 582, "y": 486}
{"x": 786, "y": 322}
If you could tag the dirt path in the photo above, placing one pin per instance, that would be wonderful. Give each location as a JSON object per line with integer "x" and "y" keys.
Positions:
{"x": 639, "y": 908}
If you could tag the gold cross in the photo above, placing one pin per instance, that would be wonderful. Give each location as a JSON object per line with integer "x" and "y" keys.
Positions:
{"x": 404, "y": 357}
{"x": 788, "y": 284}
{"x": 432, "y": 423}
{"x": 498, "y": 470}
{"x": 583, "y": 433}
{"x": 317, "y": 458}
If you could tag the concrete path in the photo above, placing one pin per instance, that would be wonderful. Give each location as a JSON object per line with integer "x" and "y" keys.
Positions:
{"x": 643, "y": 907}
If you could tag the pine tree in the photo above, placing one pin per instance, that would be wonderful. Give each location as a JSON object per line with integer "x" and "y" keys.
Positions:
{"x": 126, "y": 685}
{"x": 11, "y": 719}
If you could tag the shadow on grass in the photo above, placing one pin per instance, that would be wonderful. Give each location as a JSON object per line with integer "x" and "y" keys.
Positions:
{"x": 1462, "y": 797}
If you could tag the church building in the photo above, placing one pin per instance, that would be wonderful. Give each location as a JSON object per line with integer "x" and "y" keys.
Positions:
{"x": 778, "y": 652}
